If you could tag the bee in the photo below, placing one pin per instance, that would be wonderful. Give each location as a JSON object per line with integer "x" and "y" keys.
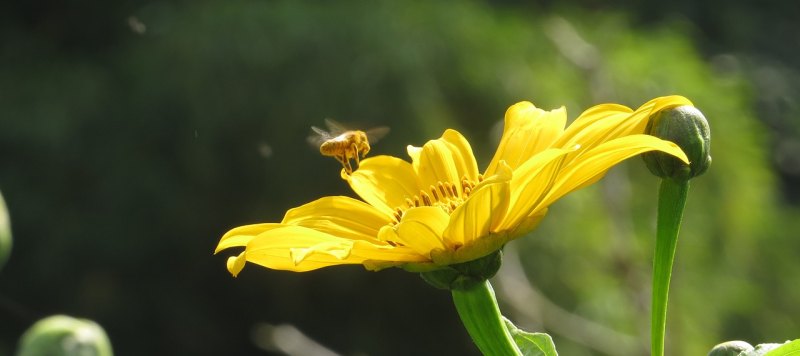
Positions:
{"x": 343, "y": 144}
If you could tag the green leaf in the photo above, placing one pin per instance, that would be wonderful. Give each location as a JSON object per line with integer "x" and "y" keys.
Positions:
{"x": 789, "y": 348}
{"x": 532, "y": 344}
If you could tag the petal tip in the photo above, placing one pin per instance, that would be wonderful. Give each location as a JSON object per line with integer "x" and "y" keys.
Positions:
{"x": 236, "y": 264}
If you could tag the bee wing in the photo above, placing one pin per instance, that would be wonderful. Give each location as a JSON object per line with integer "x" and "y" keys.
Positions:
{"x": 376, "y": 133}
{"x": 334, "y": 127}
{"x": 318, "y": 136}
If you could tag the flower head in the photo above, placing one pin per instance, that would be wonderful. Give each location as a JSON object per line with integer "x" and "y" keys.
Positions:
{"x": 439, "y": 209}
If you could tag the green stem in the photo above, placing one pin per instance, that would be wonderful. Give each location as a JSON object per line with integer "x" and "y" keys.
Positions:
{"x": 671, "y": 201}
{"x": 480, "y": 314}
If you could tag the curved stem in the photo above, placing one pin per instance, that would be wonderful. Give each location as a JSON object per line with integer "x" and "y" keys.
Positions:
{"x": 480, "y": 314}
{"x": 671, "y": 201}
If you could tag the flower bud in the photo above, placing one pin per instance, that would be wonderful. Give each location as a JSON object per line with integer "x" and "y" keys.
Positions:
{"x": 465, "y": 275}
{"x": 686, "y": 127}
{"x": 61, "y": 335}
{"x": 730, "y": 348}
{"x": 5, "y": 233}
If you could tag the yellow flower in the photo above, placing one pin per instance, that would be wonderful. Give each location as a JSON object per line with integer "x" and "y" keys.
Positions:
{"x": 438, "y": 209}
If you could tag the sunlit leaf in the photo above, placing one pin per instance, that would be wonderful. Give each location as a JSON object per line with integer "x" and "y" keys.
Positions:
{"x": 532, "y": 344}
{"x": 789, "y": 348}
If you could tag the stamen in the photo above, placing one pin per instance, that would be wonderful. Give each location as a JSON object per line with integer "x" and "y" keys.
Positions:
{"x": 409, "y": 202}
{"x": 446, "y": 195}
{"x": 426, "y": 199}
{"x": 442, "y": 189}
{"x": 435, "y": 194}
{"x": 465, "y": 184}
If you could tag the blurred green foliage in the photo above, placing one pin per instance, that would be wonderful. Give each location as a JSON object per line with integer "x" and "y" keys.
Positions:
{"x": 5, "y": 233}
{"x": 134, "y": 135}
{"x": 61, "y": 335}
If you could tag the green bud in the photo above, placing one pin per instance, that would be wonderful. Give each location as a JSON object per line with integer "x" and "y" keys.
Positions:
{"x": 5, "y": 233}
{"x": 463, "y": 276}
{"x": 687, "y": 127}
{"x": 730, "y": 348}
{"x": 61, "y": 335}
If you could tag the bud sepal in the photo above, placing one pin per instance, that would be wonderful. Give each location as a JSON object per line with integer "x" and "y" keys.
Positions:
{"x": 686, "y": 127}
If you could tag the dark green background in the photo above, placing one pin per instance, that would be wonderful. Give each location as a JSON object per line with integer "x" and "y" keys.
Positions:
{"x": 127, "y": 151}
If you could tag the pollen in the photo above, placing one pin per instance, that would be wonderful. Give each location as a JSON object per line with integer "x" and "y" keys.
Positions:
{"x": 444, "y": 195}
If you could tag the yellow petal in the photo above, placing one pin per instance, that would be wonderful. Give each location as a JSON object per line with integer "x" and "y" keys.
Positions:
{"x": 296, "y": 248}
{"x": 241, "y": 235}
{"x": 384, "y": 182}
{"x": 446, "y": 159}
{"x": 333, "y": 248}
{"x": 606, "y": 122}
{"x": 235, "y": 264}
{"x": 413, "y": 152}
{"x": 598, "y": 124}
{"x": 421, "y": 229}
{"x": 423, "y": 266}
{"x": 637, "y": 122}
{"x": 664, "y": 102}
{"x": 366, "y": 251}
{"x": 477, "y": 249}
{"x": 483, "y": 210}
{"x": 530, "y": 183}
{"x": 597, "y": 161}
{"x": 461, "y": 153}
{"x": 528, "y": 130}
{"x": 339, "y": 216}
{"x": 527, "y": 225}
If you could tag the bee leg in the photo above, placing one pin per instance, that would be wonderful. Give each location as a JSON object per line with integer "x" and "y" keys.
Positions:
{"x": 345, "y": 161}
{"x": 357, "y": 153}
{"x": 347, "y": 167}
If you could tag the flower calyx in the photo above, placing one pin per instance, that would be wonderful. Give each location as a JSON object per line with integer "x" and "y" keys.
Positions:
{"x": 466, "y": 275}
{"x": 688, "y": 128}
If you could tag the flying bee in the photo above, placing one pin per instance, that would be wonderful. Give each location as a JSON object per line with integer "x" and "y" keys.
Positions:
{"x": 343, "y": 144}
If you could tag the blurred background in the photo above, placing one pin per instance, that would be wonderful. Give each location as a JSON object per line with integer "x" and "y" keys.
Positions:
{"x": 133, "y": 134}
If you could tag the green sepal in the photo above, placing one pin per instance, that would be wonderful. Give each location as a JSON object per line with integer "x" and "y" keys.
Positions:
{"x": 532, "y": 344}
{"x": 463, "y": 276}
{"x": 688, "y": 128}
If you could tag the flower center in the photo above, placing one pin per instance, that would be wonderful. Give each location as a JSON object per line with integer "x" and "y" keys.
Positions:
{"x": 444, "y": 195}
